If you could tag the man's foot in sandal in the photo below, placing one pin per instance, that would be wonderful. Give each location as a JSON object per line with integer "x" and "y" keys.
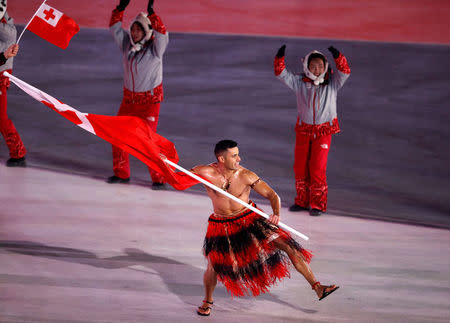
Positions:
{"x": 323, "y": 291}
{"x": 205, "y": 309}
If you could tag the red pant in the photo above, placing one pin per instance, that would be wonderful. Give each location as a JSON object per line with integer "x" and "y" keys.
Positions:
{"x": 147, "y": 111}
{"x": 9, "y": 132}
{"x": 310, "y": 167}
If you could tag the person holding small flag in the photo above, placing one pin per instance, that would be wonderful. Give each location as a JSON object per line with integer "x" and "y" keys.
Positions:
{"x": 8, "y": 35}
{"x": 142, "y": 49}
{"x": 48, "y": 23}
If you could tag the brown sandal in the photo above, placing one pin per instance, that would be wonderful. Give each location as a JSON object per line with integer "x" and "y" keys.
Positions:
{"x": 205, "y": 308}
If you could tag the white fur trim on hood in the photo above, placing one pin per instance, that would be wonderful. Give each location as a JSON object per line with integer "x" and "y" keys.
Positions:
{"x": 2, "y": 8}
{"x": 143, "y": 21}
{"x": 316, "y": 79}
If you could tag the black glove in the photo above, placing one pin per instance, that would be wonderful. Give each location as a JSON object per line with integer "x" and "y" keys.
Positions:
{"x": 150, "y": 7}
{"x": 334, "y": 52}
{"x": 280, "y": 52}
{"x": 122, "y": 5}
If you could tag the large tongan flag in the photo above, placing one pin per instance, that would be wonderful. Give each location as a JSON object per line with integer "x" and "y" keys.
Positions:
{"x": 131, "y": 134}
{"x": 53, "y": 25}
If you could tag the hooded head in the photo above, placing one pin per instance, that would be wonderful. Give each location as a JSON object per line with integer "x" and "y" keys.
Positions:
{"x": 2, "y": 8}
{"x": 144, "y": 25}
{"x": 315, "y": 58}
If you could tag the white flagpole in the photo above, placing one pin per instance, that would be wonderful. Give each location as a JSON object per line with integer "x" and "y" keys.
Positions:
{"x": 29, "y": 22}
{"x": 234, "y": 198}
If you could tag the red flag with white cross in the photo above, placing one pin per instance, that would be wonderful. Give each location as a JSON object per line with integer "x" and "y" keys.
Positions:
{"x": 53, "y": 25}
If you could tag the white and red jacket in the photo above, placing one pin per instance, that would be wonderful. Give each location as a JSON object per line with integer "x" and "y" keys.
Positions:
{"x": 142, "y": 69}
{"x": 8, "y": 35}
{"x": 316, "y": 104}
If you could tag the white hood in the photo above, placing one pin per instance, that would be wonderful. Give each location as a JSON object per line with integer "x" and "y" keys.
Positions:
{"x": 143, "y": 21}
{"x": 2, "y": 8}
{"x": 316, "y": 79}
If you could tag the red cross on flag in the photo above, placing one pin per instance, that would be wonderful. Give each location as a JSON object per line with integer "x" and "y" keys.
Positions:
{"x": 53, "y": 25}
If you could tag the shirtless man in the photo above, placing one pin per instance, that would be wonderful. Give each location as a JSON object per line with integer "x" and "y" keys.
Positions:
{"x": 246, "y": 252}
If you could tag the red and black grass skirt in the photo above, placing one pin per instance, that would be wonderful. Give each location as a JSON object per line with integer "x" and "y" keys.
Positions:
{"x": 240, "y": 248}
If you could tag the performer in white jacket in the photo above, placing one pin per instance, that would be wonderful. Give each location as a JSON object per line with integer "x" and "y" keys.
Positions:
{"x": 142, "y": 49}
{"x": 8, "y": 35}
{"x": 316, "y": 92}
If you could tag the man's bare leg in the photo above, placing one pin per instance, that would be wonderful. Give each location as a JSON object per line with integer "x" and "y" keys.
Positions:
{"x": 209, "y": 283}
{"x": 303, "y": 267}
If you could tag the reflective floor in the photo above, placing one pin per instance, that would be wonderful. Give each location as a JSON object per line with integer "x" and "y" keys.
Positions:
{"x": 76, "y": 249}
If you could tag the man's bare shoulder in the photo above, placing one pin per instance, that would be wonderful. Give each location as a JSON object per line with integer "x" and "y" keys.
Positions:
{"x": 204, "y": 169}
{"x": 248, "y": 175}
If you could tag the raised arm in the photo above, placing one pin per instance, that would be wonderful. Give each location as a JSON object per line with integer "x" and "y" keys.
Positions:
{"x": 161, "y": 36}
{"x": 267, "y": 192}
{"x": 287, "y": 77}
{"x": 343, "y": 70}
{"x": 115, "y": 23}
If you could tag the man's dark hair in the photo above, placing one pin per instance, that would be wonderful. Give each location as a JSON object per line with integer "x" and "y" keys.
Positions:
{"x": 223, "y": 145}
{"x": 316, "y": 55}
